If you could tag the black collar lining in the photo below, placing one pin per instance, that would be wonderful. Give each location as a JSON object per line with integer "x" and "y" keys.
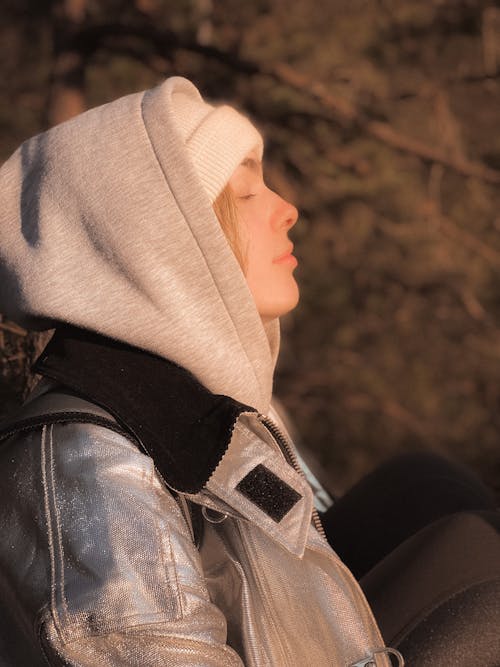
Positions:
{"x": 183, "y": 427}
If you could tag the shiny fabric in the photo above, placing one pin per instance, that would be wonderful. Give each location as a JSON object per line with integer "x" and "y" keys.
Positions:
{"x": 99, "y": 566}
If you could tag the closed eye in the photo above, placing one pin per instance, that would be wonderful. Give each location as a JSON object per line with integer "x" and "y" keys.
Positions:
{"x": 246, "y": 196}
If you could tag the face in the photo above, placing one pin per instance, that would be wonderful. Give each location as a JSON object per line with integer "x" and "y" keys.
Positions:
{"x": 265, "y": 218}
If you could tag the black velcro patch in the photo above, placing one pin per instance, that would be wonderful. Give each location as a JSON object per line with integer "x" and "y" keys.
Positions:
{"x": 270, "y": 493}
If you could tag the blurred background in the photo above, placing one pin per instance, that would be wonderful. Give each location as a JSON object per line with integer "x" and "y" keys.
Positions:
{"x": 382, "y": 124}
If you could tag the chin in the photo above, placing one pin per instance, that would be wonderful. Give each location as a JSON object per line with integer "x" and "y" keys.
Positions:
{"x": 274, "y": 308}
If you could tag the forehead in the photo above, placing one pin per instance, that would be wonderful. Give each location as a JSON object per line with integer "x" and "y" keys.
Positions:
{"x": 249, "y": 169}
{"x": 252, "y": 162}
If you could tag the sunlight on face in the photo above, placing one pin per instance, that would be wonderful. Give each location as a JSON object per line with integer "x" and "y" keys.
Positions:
{"x": 266, "y": 219}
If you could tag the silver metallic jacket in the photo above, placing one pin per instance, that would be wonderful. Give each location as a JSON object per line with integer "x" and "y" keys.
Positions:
{"x": 99, "y": 567}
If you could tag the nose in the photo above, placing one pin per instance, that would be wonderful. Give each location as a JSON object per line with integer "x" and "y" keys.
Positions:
{"x": 286, "y": 213}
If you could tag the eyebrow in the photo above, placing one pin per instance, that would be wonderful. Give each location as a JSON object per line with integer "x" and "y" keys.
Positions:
{"x": 252, "y": 164}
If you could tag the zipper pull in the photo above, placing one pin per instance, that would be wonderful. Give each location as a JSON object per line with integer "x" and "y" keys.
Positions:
{"x": 213, "y": 516}
{"x": 377, "y": 659}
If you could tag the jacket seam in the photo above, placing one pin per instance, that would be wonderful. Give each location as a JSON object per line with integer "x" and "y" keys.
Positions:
{"x": 248, "y": 546}
{"x": 50, "y": 539}
{"x": 162, "y": 537}
{"x": 123, "y": 623}
{"x": 57, "y": 519}
{"x": 46, "y": 419}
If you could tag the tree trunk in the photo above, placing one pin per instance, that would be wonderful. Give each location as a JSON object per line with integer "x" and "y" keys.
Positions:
{"x": 67, "y": 95}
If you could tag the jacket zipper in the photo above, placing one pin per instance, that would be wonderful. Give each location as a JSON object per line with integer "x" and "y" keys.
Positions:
{"x": 378, "y": 657}
{"x": 287, "y": 450}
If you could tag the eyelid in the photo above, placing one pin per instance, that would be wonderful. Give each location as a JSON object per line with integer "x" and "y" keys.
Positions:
{"x": 249, "y": 196}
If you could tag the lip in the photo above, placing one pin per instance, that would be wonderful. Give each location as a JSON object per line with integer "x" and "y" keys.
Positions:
{"x": 286, "y": 257}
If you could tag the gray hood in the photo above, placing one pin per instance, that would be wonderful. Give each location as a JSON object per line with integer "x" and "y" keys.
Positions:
{"x": 104, "y": 224}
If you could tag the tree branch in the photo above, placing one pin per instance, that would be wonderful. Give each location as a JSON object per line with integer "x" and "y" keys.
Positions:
{"x": 467, "y": 239}
{"x": 165, "y": 43}
{"x": 13, "y": 328}
{"x": 379, "y": 130}
{"x": 457, "y": 80}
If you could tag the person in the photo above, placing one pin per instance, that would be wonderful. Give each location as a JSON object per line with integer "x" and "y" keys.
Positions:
{"x": 152, "y": 505}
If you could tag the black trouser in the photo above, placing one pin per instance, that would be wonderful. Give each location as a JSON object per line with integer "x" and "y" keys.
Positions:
{"x": 423, "y": 537}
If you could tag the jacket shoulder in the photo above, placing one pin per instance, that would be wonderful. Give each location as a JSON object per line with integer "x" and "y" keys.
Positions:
{"x": 58, "y": 407}
{"x": 113, "y": 560}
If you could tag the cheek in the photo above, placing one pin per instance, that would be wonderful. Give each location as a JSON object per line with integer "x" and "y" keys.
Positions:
{"x": 259, "y": 256}
{"x": 258, "y": 231}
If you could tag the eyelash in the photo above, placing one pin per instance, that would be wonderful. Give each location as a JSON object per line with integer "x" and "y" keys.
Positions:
{"x": 246, "y": 196}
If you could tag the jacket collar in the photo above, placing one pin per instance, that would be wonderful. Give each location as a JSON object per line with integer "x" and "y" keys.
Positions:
{"x": 255, "y": 481}
{"x": 163, "y": 406}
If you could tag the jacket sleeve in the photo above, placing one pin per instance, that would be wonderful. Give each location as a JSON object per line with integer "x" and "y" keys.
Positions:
{"x": 126, "y": 584}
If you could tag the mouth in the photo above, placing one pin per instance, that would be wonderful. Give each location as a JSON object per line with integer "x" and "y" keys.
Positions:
{"x": 286, "y": 257}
